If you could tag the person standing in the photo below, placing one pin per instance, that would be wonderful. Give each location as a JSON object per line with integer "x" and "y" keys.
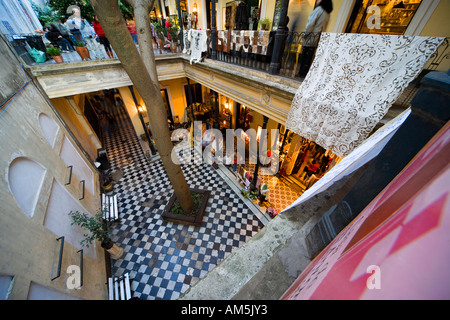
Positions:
{"x": 88, "y": 35}
{"x": 102, "y": 37}
{"x": 317, "y": 23}
{"x": 132, "y": 28}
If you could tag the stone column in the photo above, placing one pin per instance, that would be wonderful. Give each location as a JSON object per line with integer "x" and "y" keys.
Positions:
{"x": 280, "y": 35}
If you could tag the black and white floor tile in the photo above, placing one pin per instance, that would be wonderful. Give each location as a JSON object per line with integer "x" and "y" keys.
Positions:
{"x": 163, "y": 258}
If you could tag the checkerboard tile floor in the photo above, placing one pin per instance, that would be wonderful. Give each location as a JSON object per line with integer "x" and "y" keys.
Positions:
{"x": 163, "y": 258}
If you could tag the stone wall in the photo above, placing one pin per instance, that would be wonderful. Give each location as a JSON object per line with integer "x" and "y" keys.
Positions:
{"x": 36, "y": 149}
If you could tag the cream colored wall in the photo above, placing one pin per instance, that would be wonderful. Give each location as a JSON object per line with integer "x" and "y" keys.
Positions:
{"x": 128, "y": 101}
{"x": 175, "y": 88}
{"x": 439, "y": 26}
{"x": 334, "y": 14}
{"x": 28, "y": 249}
{"x": 78, "y": 125}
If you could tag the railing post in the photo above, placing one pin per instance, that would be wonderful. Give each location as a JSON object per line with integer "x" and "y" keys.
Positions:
{"x": 280, "y": 35}
{"x": 180, "y": 24}
{"x": 216, "y": 124}
{"x": 213, "y": 30}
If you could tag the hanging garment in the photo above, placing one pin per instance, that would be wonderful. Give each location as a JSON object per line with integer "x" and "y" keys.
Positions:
{"x": 198, "y": 44}
{"x": 242, "y": 15}
{"x": 187, "y": 36}
{"x": 353, "y": 81}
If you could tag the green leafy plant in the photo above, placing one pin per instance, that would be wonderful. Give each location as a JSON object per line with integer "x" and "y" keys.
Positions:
{"x": 173, "y": 30}
{"x": 79, "y": 44}
{"x": 53, "y": 51}
{"x": 159, "y": 30}
{"x": 252, "y": 195}
{"x": 94, "y": 224}
{"x": 265, "y": 23}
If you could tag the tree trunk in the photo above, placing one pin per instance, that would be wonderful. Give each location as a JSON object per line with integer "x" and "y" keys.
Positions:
{"x": 118, "y": 35}
{"x": 141, "y": 9}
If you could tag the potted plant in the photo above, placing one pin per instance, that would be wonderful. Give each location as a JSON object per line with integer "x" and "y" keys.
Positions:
{"x": 159, "y": 35}
{"x": 82, "y": 50}
{"x": 172, "y": 30}
{"x": 264, "y": 23}
{"x": 97, "y": 231}
{"x": 55, "y": 54}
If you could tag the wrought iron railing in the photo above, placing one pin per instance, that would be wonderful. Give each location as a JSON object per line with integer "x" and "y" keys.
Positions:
{"x": 298, "y": 53}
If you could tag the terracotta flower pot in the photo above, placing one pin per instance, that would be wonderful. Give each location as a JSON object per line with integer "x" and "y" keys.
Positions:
{"x": 58, "y": 59}
{"x": 83, "y": 52}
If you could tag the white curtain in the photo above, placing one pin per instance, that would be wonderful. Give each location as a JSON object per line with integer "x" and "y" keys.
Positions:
{"x": 353, "y": 81}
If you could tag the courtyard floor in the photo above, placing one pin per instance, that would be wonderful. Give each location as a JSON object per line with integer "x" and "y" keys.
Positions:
{"x": 163, "y": 258}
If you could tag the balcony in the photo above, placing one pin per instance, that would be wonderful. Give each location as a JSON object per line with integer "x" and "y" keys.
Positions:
{"x": 240, "y": 55}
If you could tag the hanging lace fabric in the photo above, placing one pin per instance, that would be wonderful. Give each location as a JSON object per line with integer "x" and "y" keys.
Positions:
{"x": 353, "y": 81}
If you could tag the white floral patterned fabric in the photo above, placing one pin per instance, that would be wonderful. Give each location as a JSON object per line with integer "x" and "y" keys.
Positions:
{"x": 353, "y": 81}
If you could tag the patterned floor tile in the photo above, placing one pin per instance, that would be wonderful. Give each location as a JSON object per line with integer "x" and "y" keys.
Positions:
{"x": 163, "y": 258}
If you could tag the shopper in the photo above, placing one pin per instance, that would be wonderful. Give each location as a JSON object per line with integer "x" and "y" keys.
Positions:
{"x": 62, "y": 27}
{"x": 102, "y": 37}
{"x": 132, "y": 28}
{"x": 317, "y": 22}
{"x": 56, "y": 38}
{"x": 88, "y": 35}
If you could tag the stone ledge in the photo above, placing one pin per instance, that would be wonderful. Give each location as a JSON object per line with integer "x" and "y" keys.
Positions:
{"x": 270, "y": 261}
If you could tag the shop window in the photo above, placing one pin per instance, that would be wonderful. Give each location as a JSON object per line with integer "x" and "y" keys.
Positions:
{"x": 382, "y": 16}
{"x": 25, "y": 179}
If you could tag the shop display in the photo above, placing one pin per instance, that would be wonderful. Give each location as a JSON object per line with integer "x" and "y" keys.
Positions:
{"x": 394, "y": 15}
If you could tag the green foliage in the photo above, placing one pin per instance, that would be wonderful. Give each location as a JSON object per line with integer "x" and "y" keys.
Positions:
{"x": 159, "y": 30}
{"x": 53, "y": 51}
{"x": 79, "y": 44}
{"x": 93, "y": 224}
{"x": 265, "y": 21}
{"x": 46, "y": 15}
{"x": 173, "y": 30}
{"x": 252, "y": 195}
{"x": 196, "y": 198}
{"x": 60, "y": 7}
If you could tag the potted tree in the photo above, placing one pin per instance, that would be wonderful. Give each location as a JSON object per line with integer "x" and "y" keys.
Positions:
{"x": 55, "y": 54}
{"x": 82, "y": 50}
{"x": 97, "y": 231}
{"x": 159, "y": 35}
{"x": 173, "y": 32}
